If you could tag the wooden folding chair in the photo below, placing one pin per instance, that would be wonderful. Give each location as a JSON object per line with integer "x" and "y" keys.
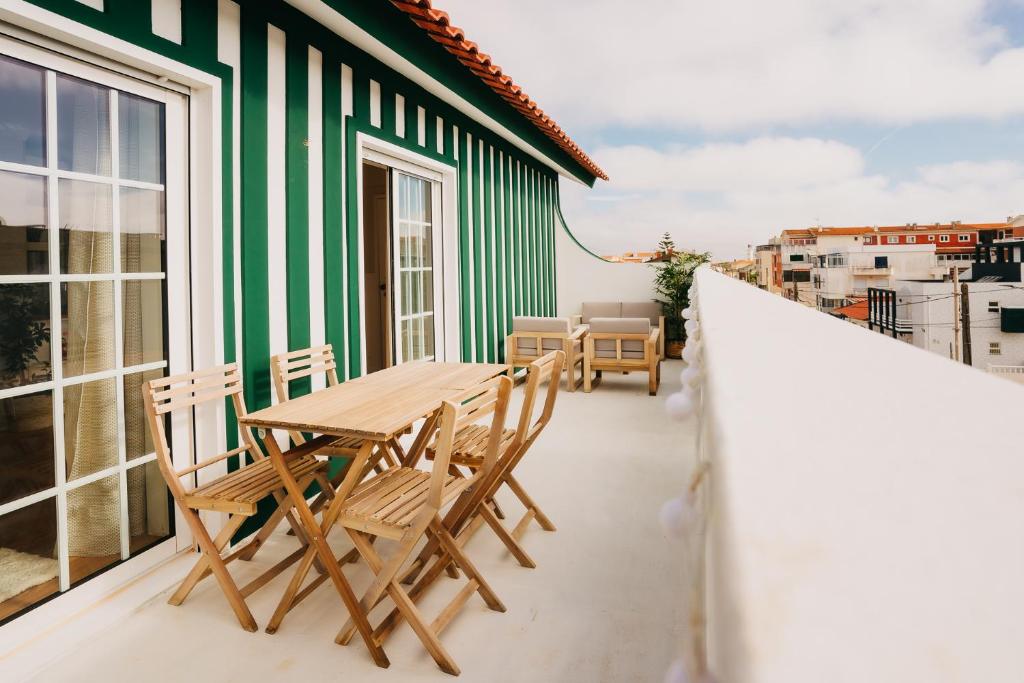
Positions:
{"x": 236, "y": 493}
{"x": 404, "y": 504}
{"x": 468, "y": 515}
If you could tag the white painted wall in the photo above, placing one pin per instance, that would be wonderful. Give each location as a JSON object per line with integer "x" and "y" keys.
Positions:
{"x": 878, "y": 543}
{"x": 584, "y": 277}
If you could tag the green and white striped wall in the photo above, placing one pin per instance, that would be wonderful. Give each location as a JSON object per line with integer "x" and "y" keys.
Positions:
{"x": 294, "y": 97}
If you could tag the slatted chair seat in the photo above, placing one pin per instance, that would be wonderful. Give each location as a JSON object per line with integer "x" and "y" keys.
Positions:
{"x": 388, "y": 504}
{"x": 471, "y": 444}
{"x": 240, "y": 491}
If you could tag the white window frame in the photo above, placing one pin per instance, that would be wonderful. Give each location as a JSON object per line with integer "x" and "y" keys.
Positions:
{"x": 911, "y": 239}
{"x": 943, "y": 238}
{"x": 963, "y": 237}
{"x": 931, "y": 238}
{"x": 200, "y": 267}
{"x": 892, "y": 240}
{"x": 994, "y": 349}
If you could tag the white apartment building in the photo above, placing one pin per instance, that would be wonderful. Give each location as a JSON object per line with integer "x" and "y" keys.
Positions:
{"x": 844, "y": 272}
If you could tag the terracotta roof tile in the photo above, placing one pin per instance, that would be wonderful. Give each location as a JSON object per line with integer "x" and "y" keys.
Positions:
{"x": 438, "y": 26}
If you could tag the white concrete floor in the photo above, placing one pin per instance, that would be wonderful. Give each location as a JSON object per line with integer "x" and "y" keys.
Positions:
{"x": 603, "y": 604}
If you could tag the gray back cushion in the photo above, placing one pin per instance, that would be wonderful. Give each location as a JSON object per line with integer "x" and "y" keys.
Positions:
{"x": 642, "y": 309}
{"x": 631, "y": 348}
{"x": 601, "y": 309}
{"x": 539, "y": 324}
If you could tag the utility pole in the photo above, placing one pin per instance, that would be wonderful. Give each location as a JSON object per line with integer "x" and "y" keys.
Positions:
{"x": 965, "y": 319}
{"x": 956, "y": 312}
{"x": 796, "y": 288}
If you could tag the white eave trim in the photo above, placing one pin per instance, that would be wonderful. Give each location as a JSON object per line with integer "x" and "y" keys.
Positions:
{"x": 330, "y": 18}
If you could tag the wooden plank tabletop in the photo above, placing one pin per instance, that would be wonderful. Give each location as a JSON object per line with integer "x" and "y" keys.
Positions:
{"x": 378, "y": 405}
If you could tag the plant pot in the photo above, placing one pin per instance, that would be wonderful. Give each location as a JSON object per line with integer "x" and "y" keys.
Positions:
{"x": 674, "y": 349}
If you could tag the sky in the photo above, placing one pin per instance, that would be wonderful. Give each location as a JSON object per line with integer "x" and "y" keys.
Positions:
{"x": 726, "y": 122}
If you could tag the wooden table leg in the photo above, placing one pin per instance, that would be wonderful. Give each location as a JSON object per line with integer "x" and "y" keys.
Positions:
{"x": 317, "y": 538}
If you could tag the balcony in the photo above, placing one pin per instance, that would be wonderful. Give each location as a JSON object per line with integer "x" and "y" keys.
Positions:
{"x": 883, "y": 521}
{"x": 605, "y": 587}
{"x": 872, "y": 271}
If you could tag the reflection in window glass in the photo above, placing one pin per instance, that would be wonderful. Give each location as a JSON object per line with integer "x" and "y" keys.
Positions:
{"x": 85, "y": 227}
{"x": 142, "y": 230}
{"x": 149, "y": 518}
{"x": 24, "y": 334}
{"x": 142, "y": 302}
{"x": 87, "y": 311}
{"x": 26, "y": 445}
{"x": 83, "y": 126}
{"x": 28, "y": 556}
{"x": 138, "y": 437}
{"x": 22, "y": 113}
{"x": 140, "y": 125}
{"x": 23, "y": 243}
{"x": 94, "y": 527}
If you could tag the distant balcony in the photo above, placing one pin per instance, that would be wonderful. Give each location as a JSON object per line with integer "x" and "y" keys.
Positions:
{"x": 872, "y": 271}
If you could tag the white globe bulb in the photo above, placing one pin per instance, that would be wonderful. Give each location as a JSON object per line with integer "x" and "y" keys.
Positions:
{"x": 691, "y": 351}
{"x": 677, "y": 673}
{"x": 678, "y": 517}
{"x": 690, "y": 326}
{"x": 679, "y": 405}
{"x": 689, "y": 313}
{"x": 691, "y": 376}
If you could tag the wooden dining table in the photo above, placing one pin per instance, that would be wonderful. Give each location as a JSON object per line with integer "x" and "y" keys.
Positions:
{"x": 375, "y": 408}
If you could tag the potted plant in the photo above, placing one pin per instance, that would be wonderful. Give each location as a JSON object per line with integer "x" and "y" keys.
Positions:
{"x": 672, "y": 287}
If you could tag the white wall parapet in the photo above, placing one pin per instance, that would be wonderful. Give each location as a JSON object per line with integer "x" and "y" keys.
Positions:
{"x": 871, "y": 533}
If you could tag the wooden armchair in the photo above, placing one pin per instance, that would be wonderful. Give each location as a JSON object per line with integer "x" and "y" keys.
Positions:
{"x": 533, "y": 337}
{"x": 621, "y": 345}
{"x": 625, "y": 309}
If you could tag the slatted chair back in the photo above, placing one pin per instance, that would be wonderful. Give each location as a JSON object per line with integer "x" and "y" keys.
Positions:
{"x": 166, "y": 395}
{"x": 288, "y": 367}
{"x": 488, "y": 398}
{"x": 547, "y": 368}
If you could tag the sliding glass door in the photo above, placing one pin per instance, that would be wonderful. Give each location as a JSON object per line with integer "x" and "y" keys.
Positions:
{"x": 83, "y": 230}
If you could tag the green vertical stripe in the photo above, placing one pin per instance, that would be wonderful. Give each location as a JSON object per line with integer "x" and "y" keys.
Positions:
{"x": 464, "y": 279}
{"x": 297, "y": 200}
{"x": 546, "y": 228}
{"x": 412, "y": 127}
{"x": 554, "y": 242}
{"x": 489, "y": 307}
{"x": 334, "y": 287}
{"x": 520, "y": 244}
{"x": 387, "y": 110}
{"x": 431, "y": 133}
{"x": 255, "y": 302}
{"x": 510, "y": 285}
{"x": 531, "y": 208}
{"x": 478, "y": 236}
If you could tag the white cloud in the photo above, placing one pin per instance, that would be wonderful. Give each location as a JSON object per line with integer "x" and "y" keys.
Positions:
{"x": 724, "y": 216}
{"x": 744, "y": 64}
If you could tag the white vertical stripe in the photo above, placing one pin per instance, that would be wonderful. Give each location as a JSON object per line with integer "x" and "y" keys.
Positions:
{"x": 166, "y": 19}
{"x": 521, "y": 243}
{"x": 95, "y": 4}
{"x": 421, "y": 126}
{"x": 229, "y": 52}
{"x": 399, "y": 115}
{"x": 277, "y": 246}
{"x": 500, "y": 181}
{"x": 346, "y": 111}
{"x": 478, "y": 158}
{"x": 440, "y": 134}
{"x": 374, "y": 103}
{"x": 455, "y": 140}
{"x": 317, "y": 324}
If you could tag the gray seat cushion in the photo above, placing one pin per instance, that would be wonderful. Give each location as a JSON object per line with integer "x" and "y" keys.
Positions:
{"x": 601, "y": 309}
{"x": 538, "y": 324}
{"x": 642, "y": 309}
{"x": 631, "y": 348}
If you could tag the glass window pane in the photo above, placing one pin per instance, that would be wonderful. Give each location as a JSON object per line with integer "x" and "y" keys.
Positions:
{"x": 143, "y": 234}
{"x": 424, "y": 200}
{"x": 406, "y": 339}
{"x": 87, "y": 312}
{"x": 427, "y": 245}
{"x": 142, "y": 303}
{"x": 22, "y": 113}
{"x": 26, "y": 445}
{"x": 83, "y": 126}
{"x": 403, "y": 197}
{"x": 90, "y": 427}
{"x": 428, "y": 335}
{"x": 428, "y": 291}
{"x": 406, "y": 292}
{"x": 414, "y": 298}
{"x": 24, "y": 334}
{"x": 85, "y": 227}
{"x": 149, "y": 518}
{"x": 140, "y": 124}
{"x": 137, "y": 435}
{"x": 28, "y": 556}
{"x": 23, "y": 244}
{"x": 94, "y": 527}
